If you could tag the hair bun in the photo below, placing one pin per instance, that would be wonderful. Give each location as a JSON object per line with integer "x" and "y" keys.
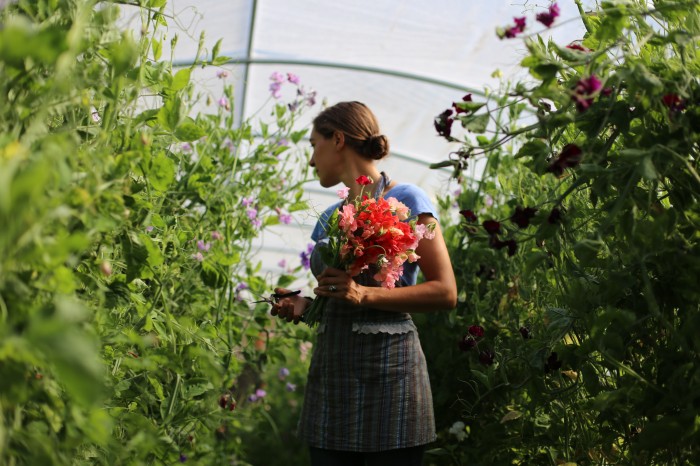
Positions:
{"x": 376, "y": 147}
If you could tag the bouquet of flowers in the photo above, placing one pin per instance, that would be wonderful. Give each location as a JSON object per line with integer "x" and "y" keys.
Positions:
{"x": 369, "y": 235}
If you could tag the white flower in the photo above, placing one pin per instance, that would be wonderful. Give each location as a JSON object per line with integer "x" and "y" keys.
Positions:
{"x": 458, "y": 430}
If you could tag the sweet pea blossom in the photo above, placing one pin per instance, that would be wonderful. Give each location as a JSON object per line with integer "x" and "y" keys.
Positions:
{"x": 223, "y": 102}
{"x": 247, "y": 201}
{"x": 215, "y": 235}
{"x": 364, "y": 180}
{"x": 293, "y": 78}
{"x": 283, "y": 373}
{"x": 290, "y": 387}
{"x": 585, "y": 91}
{"x": 186, "y": 147}
{"x": 277, "y": 77}
{"x": 343, "y": 193}
{"x": 198, "y": 257}
{"x": 149, "y": 228}
{"x": 252, "y": 213}
{"x": 547, "y": 18}
{"x": 518, "y": 28}
{"x": 285, "y": 218}
{"x": 222, "y": 74}
{"x": 202, "y": 246}
{"x": 306, "y": 256}
{"x": 282, "y": 263}
{"x": 276, "y": 90}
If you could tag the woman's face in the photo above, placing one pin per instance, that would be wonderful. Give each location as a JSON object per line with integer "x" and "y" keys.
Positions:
{"x": 325, "y": 159}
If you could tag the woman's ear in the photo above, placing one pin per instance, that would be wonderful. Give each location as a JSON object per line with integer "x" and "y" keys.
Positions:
{"x": 339, "y": 140}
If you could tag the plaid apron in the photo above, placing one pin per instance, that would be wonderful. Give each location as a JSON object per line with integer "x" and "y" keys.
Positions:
{"x": 368, "y": 387}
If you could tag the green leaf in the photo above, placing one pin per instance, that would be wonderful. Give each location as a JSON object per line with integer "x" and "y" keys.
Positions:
{"x": 181, "y": 79}
{"x": 475, "y": 123}
{"x": 188, "y": 131}
{"x": 162, "y": 172}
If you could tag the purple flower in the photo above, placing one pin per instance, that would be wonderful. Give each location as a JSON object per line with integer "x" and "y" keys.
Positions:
{"x": 223, "y": 102}
{"x": 584, "y": 92}
{"x": 186, "y": 147}
{"x": 310, "y": 98}
{"x": 260, "y": 393}
{"x": 283, "y": 373}
{"x": 222, "y": 74}
{"x": 285, "y": 218}
{"x": 252, "y": 213}
{"x": 293, "y": 78}
{"x": 215, "y": 235}
{"x": 202, "y": 246}
{"x": 149, "y": 228}
{"x": 253, "y": 398}
{"x": 306, "y": 256}
{"x": 198, "y": 257}
{"x": 547, "y": 18}
{"x": 183, "y": 458}
{"x": 247, "y": 201}
{"x": 275, "y": 90}
{"x": 240, "y": 287}
{"x": 228, "y": 144}
{"x": 277, "y": 77}
{"x": 290, "y": 387}
{"x": 282, "y": 263}
{"x": 519, "y": 27}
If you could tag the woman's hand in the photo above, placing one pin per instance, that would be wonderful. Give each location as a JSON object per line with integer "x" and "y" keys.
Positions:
{"x": 336, "y": 283}
{"x": 291, "y": 308}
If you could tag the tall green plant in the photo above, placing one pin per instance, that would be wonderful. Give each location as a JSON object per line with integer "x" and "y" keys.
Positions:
{"x": 126, "y": 336}
{"x": 578, "y": 256}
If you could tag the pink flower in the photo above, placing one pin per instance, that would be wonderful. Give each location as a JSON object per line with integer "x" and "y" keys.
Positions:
{"x": 247, "y": 201}
{"x": 364, "y": 180}
{"x": 202, "y": 246}
{"x": 198, "y": 257}
{"x": 285, "y": 218}
{"x": 275, "y": 90}
{"x": 257, "y": 223}
{"x": 149, "y": 228}
{"x": 293, "y": 78}
{"x": 222, "y": 74}
{"x": 343, "y": 193}
{"x": 252, "y": 213}
{"x": 277, "y": 77}
{"x": 223, "y": 102}
{"x": 215, "y": 235}
{"x": 548, "y": 18}
{"x": 399, "y": 208}
{"x": 347, "y": 220}
{"x": 282, "y": 263}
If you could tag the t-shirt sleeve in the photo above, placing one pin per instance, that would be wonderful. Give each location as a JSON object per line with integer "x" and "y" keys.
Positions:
{"x": 415, "y": 199}
{"x": 319, "y": 231}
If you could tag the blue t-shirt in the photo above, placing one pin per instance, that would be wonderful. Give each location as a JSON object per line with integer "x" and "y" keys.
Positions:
{"x": 412, "y": 196}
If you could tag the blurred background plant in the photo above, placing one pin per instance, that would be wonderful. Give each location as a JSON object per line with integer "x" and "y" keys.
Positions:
{"x": 127, "y": 272}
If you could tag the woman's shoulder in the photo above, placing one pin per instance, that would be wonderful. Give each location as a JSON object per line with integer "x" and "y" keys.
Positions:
{"x": 415, "y": 198}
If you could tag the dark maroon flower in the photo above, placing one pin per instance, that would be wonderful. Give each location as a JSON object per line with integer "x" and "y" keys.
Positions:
{"x": 553, "y": 363}
{"x": 467, "y": 343}
{"x": 466, "y": 98}
{"x": 492, "y": 227}
{"x": 223, "y": 400}
{"x": 569, "y": 157}
{"x": 673, "y": 102}
{"x": 468, "y": 215}
{"x": 489, "y": 273}
{"x": 606, "y": 91}
{"x": 524, "y": 332}
{"x": 519, "y": 27}
{"x": 512, "y": 247}
{"x": 548, "y": 18}
{"x": 585, "y": 91}
{"x": 443, "y": 123}
{"x": 486, "y": 357}
{"x": 522, "y": 216}
{"x": 496, "y": 243}
{"x": 476, "y": 330}
{"x": 554, "y": 216}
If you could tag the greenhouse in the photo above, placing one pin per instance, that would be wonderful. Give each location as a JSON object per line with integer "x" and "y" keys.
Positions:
{"x": 366, "y": 233}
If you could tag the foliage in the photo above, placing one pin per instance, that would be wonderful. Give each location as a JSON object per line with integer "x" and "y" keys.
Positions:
{"x": 578, "y": 253}
{"x": 125, "y": 246}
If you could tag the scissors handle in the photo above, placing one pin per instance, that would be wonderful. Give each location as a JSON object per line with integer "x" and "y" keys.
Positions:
{"x": 285, "y": 295}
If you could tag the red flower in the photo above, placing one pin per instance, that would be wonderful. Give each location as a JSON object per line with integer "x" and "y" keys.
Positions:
{"x": 585, "y": 91}
{"x": 363, "y": 180}
{"x": 486, "y": 357}
{"x": 443, "y": 124}
{"x": 476, "y": 330}
{"x": 492, "y": 227}
{"x": 466, "y": 98}
{"x": 466, "y": 343}
{"x": 579, "y": 47}
{"x": 519, "y": 27}
{"x": 570, "y": 157}
{"x": 548, "y": 18}
{"x": 673, "y": 102}
{"x": 522, "y": 216}
{"x": 468, "y": 215}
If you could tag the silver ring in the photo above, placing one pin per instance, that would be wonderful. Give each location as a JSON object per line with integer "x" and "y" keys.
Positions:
{"x": 332, "y": 288}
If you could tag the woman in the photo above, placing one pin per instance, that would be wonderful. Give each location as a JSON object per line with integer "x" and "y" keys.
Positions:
{"x": 368, "y": 398}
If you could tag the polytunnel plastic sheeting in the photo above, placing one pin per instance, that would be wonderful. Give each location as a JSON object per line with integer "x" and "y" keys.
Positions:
{"x": 407, "y": 60}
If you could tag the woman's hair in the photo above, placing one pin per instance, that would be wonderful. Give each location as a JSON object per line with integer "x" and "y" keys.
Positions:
{"x": 359, "y": 125}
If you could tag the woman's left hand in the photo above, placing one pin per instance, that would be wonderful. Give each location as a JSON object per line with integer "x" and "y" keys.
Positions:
{"x": 336, "y": 283}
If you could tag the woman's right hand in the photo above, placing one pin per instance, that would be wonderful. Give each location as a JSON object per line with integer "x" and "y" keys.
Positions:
{"x": 292, "y": 308}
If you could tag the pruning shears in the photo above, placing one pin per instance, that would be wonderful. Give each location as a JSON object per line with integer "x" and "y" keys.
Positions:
{"x": 275, "y": 297}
